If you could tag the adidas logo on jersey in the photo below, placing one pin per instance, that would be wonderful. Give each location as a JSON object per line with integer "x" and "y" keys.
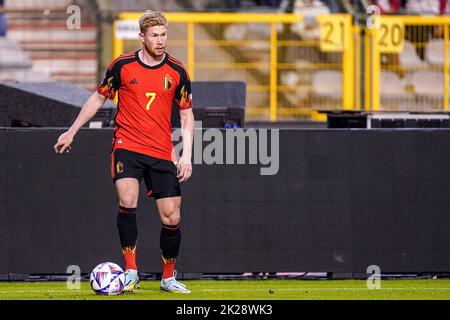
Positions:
{"x": 134, "y": 81}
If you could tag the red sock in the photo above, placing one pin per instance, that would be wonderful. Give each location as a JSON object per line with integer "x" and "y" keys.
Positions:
{"x": 168, "y": 267}
{"x": 129, "y": 254}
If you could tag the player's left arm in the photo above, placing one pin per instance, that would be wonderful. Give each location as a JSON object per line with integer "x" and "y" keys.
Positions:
{"x": 187, "y": 134}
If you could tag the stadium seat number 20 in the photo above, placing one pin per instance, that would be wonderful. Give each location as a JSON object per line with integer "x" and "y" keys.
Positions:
{"x": 152, "y": 96}
{"x": 390, "y": 36}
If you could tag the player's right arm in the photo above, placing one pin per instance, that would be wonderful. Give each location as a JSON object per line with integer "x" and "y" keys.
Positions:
{"x": 107, "y": 89}
{"x": 90, "y": 108}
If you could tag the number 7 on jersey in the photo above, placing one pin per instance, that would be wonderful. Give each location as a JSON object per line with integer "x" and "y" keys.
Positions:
{"x": 152, "y": 96}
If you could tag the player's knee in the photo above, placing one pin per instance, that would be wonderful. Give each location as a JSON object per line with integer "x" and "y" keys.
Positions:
{"x": 128, "y": 201}
{"x": 170, "y": 215}
{"x": 171, "y": 221}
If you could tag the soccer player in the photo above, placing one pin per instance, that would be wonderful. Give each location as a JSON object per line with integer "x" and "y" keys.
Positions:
{"x": 147, "y": 82}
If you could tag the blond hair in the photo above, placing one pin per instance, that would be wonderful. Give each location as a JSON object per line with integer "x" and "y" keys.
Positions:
{"x": 151, "y": 18}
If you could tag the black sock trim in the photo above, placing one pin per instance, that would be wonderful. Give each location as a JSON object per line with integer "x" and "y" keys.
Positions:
{"x": 172, "y": 228}
{"x": 127, "y": 210}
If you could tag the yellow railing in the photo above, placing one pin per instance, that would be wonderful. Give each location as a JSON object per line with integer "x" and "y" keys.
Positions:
{"x": 206, "y": 43}
{"x": 292, "y": 75}
{"x": 407, "y": 65}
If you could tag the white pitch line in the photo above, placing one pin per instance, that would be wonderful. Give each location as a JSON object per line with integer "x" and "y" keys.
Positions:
{"x": 322, "y": 289}
{"x": 37, "y": 291}
{"x": 233, "y": 289}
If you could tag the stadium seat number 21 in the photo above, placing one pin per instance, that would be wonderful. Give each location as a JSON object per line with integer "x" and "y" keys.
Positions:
{"x": 334, "y": 32}
{"x": 152, "y": 96}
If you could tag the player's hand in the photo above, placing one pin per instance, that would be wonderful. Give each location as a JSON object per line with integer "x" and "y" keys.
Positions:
{"x": 184, "y": 168}
{"x": 64, "y": 142}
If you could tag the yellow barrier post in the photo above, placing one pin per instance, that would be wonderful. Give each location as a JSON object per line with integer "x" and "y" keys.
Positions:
{"x": 387, "y": 37}
{"x": 368, "y": 39}
{"x": 117, "y": 42}
{"x": 336, "y": 35}
{"x": 191, "y": 50}
{"x": 356, "y": 34}
{"x": 273, "y": 72}
{"x": 348, "y": 67}
{"x": 375, "y": 68}
{"x": 446, "y": 67}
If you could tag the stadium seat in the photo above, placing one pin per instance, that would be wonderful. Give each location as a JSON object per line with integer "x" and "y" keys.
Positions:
{"x": 32, "y": 76}
{"x": 429, "y": 88}
{"x": 434, "y": 52}
{"x": 12, "y": 55}
{"x": 327, "y": 84}
{"x": 53, "y": 51}
{"x": 409, "y": 56}
{"x": 428, "y": 83}
{"x": 16, "y": 65}
{"x": 31, "y": 4}
{"x": 391, "y": 85}
{"x": 394, "y": 97}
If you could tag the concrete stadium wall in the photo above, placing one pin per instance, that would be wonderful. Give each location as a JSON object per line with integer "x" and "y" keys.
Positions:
{"x": 341, "y": 201}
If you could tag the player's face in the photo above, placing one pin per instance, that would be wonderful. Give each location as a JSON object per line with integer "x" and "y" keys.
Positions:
{"x": 154, "y": 40}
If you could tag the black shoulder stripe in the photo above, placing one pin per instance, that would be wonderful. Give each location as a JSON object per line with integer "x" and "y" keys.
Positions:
{"x": 118, "y": 65}
{"x": 121, "y": 62}
{"x": 179, "y": 69}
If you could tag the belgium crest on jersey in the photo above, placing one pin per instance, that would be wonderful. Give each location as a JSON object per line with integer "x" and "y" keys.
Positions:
{"x": 167, "y": 82}
{"x": 119, "y": 167}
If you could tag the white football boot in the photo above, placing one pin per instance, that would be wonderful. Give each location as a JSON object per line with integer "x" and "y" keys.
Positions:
{"x": 131, "y": 280}
{"x": 172, "y": 285}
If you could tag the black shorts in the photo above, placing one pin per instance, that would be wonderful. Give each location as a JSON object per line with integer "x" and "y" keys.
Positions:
{"x": 160, "y": 175}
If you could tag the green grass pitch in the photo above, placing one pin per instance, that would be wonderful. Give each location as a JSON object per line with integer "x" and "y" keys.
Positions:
{"x": 241, "y": 290}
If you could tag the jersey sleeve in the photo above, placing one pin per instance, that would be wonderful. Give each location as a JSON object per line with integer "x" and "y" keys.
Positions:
{"x": 111, "y": 82}
{"x": 183, "y": 94}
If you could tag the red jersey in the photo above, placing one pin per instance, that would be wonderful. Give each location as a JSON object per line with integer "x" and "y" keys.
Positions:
{"x": 145, "y": 97}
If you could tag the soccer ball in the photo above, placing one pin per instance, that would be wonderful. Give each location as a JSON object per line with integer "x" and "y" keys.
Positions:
{"x": 107, "y": 278}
